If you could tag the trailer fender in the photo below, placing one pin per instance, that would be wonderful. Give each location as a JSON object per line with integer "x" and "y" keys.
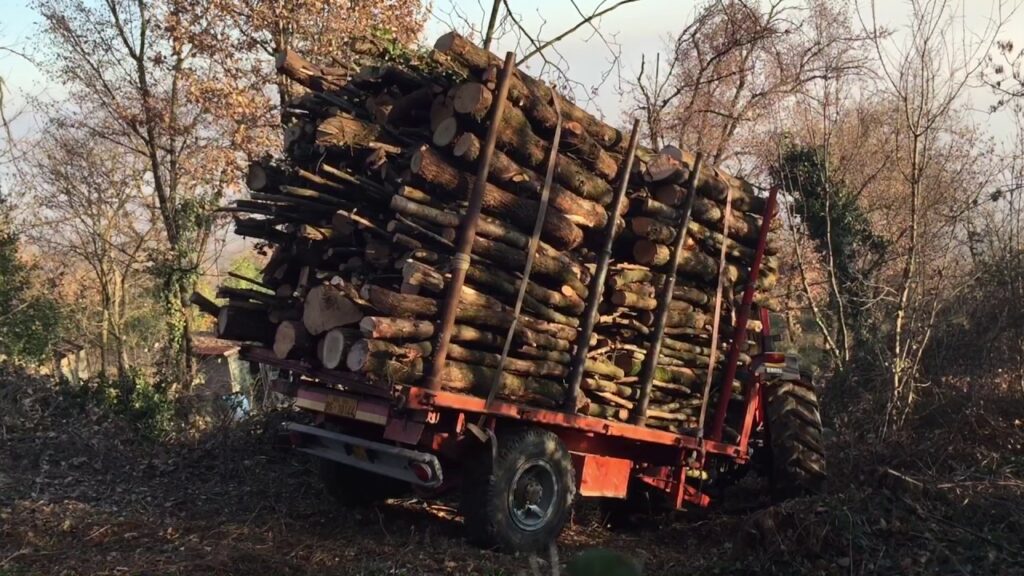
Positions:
{"x": 601, "y": 476}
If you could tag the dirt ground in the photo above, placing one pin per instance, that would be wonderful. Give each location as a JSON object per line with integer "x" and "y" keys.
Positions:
{"x": 84, "y": 493}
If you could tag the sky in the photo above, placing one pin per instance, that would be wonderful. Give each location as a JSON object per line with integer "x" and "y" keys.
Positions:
{"x": 640, "y": 28}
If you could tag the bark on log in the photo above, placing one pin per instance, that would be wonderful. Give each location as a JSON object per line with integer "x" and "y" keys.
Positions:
{"x": 345, "y": 132}
{"x": 434, "y": 171}
{"x": 309, "y": 75}
{"x": 516, "y": 179}
{"x": 527, "y": 93}
{"x": 244, "y": 325}
{"x": 394, "y": 304}
{"x": 556, "y": 267}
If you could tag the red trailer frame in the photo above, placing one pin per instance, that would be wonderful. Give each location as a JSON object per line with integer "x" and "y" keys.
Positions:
{"x": 606, "y": 453}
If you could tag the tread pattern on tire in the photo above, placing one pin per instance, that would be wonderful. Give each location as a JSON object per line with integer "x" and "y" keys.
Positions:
{"x": 795, "y": 435}
{"x": 484, "y": 491}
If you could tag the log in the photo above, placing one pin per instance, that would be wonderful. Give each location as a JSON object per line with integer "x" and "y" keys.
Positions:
{"x": 505, "y": 250}
{"x": 474, "y": 100}
{"x": 516, "y": 365}
{"x": 641, "y": 302}
{"x": 206, "y": 305}
{"x": 518, "y": 180}
{"x": 691, "y": 262}
{"x": 309, "y": 75}
{"x": 345, "y": 132}
{"x": 608, "y": 412}
{"x": 396, "y": 328}
{"x": 331, "y": 348}
{"x": 458, "y": 376}
{"x": 290, "y": 336}
{"x": 244, "y": 324}
{"x": 417, "y": 274}
{"x": 434, "y": 171}
{"x": 527, "y": 93}
{"x": 530, "y": 330}
{"x": 327, "y": 307}
{"x": 742, "y": 227}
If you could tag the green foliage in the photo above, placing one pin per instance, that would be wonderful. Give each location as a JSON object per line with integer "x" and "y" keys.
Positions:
{"x": 245, "y": 265}
{"x": 29, "y": 319}
{"x": 134, "y": 398}
{"x": 829, "y": 210}
{"x": 178, "y": 269}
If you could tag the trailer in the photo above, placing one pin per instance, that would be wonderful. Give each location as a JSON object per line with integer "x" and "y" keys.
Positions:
{"x": 520, "y": 468}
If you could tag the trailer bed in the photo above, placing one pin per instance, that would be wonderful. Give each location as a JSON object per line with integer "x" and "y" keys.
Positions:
{"x": 370, "y": 398}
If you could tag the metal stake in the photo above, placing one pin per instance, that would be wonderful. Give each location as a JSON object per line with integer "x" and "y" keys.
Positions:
{"x": 739, "y": 339}
{"x": 467, "y": 231}
{"x": 600, "y": 273}
{"x": 639, "y": 415}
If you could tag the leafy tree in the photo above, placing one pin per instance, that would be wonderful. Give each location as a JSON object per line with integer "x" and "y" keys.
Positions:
{"x": 29, "y": 318}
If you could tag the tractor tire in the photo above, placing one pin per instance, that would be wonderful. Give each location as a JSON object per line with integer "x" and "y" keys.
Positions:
{"x": 795, "y": 439}
{"x": 352, "y": 487}
{"x": 520, "y": 501}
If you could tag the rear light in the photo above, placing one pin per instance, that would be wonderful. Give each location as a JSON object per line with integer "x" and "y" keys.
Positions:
{"x": 422, "y": 471}
{"x": 774, "y": 358}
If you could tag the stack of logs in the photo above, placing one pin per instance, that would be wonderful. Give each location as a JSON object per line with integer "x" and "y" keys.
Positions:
{"x": 361, "y": 212}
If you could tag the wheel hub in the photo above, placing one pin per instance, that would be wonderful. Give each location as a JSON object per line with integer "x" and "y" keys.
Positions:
{"x": 533, "y": 495}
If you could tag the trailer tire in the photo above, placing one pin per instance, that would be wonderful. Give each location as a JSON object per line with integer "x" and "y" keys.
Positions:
{"x": 521, "y": 500}
{"x": 795, "y": 438}
{"x": 352, "y": 487}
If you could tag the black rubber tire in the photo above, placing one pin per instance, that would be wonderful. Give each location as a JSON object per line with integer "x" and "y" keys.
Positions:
{"x": 487, "y": 491}
{"x": 795, "y": 439}
{"x": 353, "y": 487}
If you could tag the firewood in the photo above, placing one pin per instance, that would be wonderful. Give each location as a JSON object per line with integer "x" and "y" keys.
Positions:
{"x": 326, "y": 308}
{"x": 514, "y": 178}
{"x": 524, "y": 89}
{"x": 289, "y": 337}
{"x": 332, "y": 347}
{"x": 238, "y": 323}
{"x": 434, "y": 171}
{"x": 363, "y": 219}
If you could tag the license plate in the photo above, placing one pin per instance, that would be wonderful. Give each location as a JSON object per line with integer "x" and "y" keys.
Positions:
{"x": 340, "y": 406}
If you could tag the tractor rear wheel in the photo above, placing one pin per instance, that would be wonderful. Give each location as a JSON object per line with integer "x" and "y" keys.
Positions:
{"x": 795, "y": 438}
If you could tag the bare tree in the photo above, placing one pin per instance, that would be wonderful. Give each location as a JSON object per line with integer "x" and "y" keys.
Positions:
{"x": 730, "y": 68}
{"x": 127, "y": 83}
{"x": 925, "y": 72}
{"x": 91, "y": 208}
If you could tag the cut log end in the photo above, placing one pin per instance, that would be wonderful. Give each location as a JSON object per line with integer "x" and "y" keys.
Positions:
{"x": 358, "y": 356}
{"x": 331, "y": 348}
{"x": 444, "y": 43}
{"x": 473, "y": 99}
{"x": 256, "y": 178}
{"x": 446, "y": 132}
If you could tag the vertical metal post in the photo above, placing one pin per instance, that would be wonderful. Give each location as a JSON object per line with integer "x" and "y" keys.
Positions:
{"x": 740, "y": 333}
{"x": 467, "y": 231}
{"x": 596, "y": 287}
{"x": 647, "y": 369}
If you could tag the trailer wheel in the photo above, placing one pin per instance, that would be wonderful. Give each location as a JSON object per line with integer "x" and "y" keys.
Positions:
{"x": 521, "y": 501}
{"x": 352, "y": 487}
{"x": 795, "y": 438}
